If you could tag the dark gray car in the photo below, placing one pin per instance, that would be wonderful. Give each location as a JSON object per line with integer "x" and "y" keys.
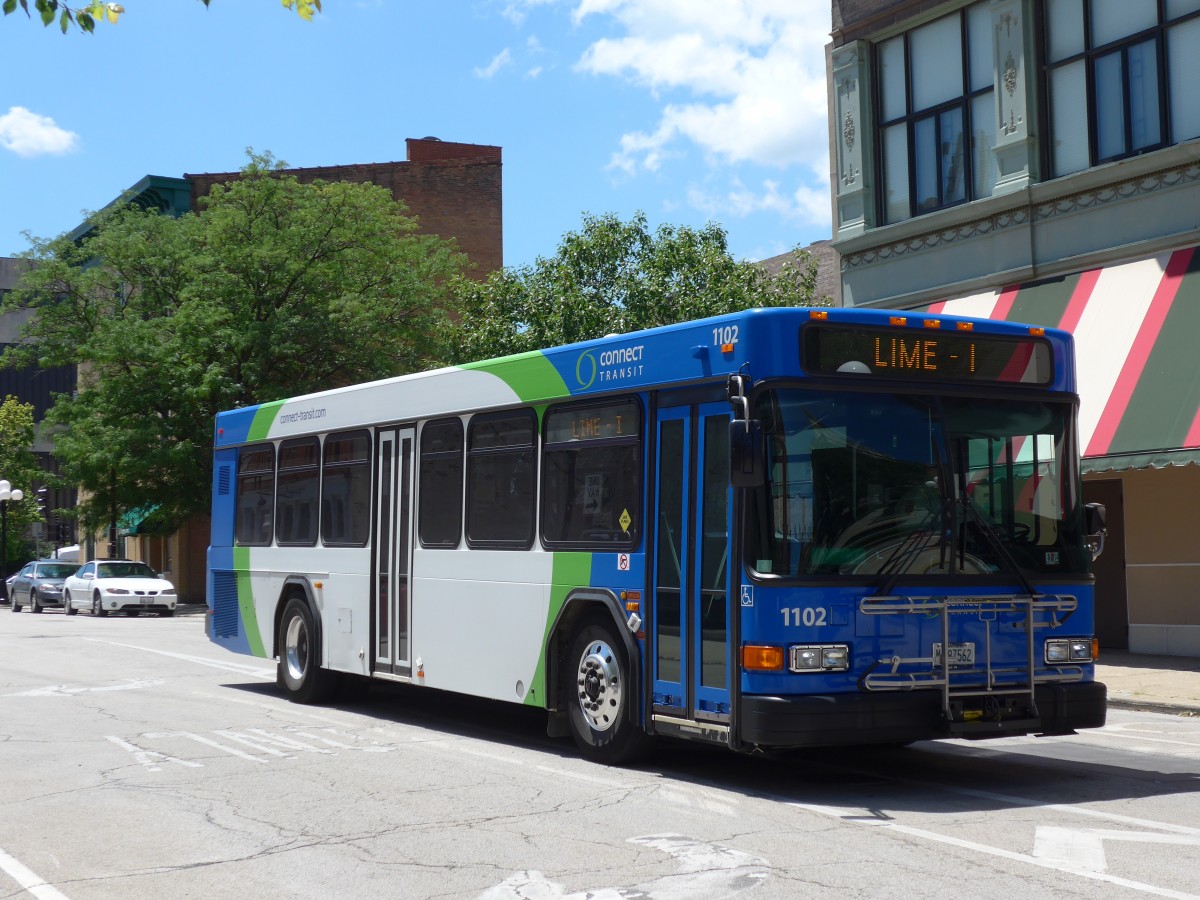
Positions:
{"x": 40, "y": 584}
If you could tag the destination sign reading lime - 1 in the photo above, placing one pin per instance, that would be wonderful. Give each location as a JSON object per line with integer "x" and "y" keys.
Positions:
{"x": 926, "y": 354}
{"x": 590, "y": 423}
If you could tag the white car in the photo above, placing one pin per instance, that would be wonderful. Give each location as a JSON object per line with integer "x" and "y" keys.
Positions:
{"x": 118, "y": 585}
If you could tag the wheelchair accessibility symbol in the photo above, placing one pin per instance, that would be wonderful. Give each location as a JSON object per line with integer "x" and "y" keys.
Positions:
{"x": 747, "y": 595}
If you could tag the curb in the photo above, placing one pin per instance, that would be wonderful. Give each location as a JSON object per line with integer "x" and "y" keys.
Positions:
{"x": 1158, "y": 706}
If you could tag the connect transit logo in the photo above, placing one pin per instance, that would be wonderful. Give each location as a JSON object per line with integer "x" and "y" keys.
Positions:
{"x": 585, "y": 369}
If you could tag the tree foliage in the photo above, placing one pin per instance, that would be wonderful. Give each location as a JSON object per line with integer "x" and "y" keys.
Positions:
{"x": 273, "y": 289}
{"x": 614, "y": 276}
{"x": 19, "y": 467}
{"x": 85, "y": 18}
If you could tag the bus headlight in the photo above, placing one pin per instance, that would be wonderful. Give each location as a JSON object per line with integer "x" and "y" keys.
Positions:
{"x": 1068, "y": 650}
{"x": 819, "y": 658}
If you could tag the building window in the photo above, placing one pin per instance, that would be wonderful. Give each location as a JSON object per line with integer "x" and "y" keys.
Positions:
{"x": 1119, "y": 78}
{"x": 936, "y": 107}
{"x": 501, "y": 475}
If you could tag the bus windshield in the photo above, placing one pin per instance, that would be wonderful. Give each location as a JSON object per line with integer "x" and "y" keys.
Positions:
{"x": 884, "y": 486}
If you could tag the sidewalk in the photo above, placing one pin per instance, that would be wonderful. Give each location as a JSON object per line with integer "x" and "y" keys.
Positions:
{"x": 1157, "y": 683}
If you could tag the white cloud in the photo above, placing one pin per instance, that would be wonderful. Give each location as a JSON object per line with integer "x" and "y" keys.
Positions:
{"x": 27, "y": 134}
{"x": 740, "y": 81}
{"x": 499, "y": 61}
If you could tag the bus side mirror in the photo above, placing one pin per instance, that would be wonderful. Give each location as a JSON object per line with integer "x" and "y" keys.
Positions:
{"x": 745, "y": 435}
{"x": 746, "y": 453}
{"x": 1094, "y": 525}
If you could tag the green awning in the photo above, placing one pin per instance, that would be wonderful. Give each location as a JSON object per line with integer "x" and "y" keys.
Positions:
{"x": 1135, "y": 324}
{"x": 1151, "y": 459}
{"x": 137, "y": 521}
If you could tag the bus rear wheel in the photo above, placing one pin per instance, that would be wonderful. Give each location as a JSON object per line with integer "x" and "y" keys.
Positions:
{"x": 597, "y": 698}
{"x": 300, "y": 673}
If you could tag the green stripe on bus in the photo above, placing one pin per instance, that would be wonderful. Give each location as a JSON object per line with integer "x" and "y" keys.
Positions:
{"x": 245, "y": 595}
{"x": 264, "y": 418}
{"x": 530, "y": 375}
{"x": 571, "y": 571}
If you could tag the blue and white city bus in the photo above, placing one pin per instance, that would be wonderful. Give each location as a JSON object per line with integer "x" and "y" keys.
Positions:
{"x": 772, "y": 529}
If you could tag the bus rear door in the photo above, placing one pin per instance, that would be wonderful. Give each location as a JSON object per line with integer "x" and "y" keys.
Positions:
{"x": 392, "y": 611}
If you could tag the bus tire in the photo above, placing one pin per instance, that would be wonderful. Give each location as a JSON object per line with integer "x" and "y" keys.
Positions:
{"x": 596, "y": 695}
{"x": 300, "y": 673}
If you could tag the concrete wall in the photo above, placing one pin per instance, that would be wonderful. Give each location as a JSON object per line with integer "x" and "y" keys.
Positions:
{"x": 1162, "y": 553}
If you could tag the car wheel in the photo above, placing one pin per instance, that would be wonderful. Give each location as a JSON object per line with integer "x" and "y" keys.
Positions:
{"x": 98, "y": 607}
{"x": 34, "y": 606}
{"x": 13, "y": 604}
{"x": 68, "y": 609}
{"x": 166, "y": 613}
{"x": 597, "y": 695}
{"x": 300, "y": 673}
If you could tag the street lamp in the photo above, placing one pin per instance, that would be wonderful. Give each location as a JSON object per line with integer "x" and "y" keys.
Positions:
{"x": 7, "y": 492}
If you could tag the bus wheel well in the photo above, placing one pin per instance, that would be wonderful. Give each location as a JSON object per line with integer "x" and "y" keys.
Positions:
{"x": 290, "y": 590}
{"x": 580, "y": 607}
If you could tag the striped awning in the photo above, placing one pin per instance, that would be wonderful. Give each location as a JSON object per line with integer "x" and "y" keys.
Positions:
{"x": 1137, "y": 347}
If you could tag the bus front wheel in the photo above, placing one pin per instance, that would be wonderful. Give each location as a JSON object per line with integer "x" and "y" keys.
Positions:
{"x": 300, "y": 673}
{"x": 597, "y": 697}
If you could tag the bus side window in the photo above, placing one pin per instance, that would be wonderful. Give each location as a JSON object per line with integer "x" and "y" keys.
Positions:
{"x": 501, "y": 475}
{"x": 255, "y": 495}
{"x": 441, "y": 484}
{"x": 346, "y": 489}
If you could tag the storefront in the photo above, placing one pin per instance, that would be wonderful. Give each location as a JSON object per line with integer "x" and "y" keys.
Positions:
{"x": 1137, "y": 331}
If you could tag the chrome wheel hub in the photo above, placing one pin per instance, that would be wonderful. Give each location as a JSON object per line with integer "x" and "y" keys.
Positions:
{"x": 295, "y": 648}
{"x": 599, "y": 685}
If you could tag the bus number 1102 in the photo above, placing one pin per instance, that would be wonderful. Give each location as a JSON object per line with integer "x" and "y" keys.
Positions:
{"x": 809, "y": 616}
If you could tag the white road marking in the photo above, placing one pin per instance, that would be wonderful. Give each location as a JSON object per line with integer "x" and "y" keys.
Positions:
{"x": 711, "y": 871}
{"x": 208, "y": 742}
{"x": 62, "y": 690}
{"x": 29, "y": 880}
{"x": 146, "y": 757}
{"x": 239, "y": 668}
{"x": 1083, "y": 848}
{"x": 868, "y": 818}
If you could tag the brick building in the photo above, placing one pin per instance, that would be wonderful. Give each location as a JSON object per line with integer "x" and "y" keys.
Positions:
{"x": 453, "y": 189}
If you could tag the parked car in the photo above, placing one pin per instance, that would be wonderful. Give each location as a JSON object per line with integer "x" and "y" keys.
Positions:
{"x": 39, "y": 584}
{"x": 118, "y": 585}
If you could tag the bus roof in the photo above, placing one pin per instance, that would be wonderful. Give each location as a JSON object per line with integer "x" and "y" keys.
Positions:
{"x": 760, "y": 342}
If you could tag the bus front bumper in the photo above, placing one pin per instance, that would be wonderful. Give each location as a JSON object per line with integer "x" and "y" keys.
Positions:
{"x": 824, "y": 720}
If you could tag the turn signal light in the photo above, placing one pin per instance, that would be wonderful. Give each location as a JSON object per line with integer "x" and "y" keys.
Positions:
{"x": 762, "y": 658}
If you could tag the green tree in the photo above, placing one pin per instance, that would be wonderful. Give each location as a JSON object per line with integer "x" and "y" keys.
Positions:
{"x": 20, "y": 468}
{"x": 273, "y": 289}
{"x": 86, "y": 17}
{"x": 616, "y": 276}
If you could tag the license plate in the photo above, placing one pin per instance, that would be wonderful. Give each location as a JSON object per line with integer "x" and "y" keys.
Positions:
{"x": 959, "y": 655}
{"x": 146, "y": 601}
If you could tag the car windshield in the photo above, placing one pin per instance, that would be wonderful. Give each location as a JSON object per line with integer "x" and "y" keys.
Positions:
{"x": 883, "y": 485}
{"x": 125, "y": 570}
{"x": 53, "y": 570}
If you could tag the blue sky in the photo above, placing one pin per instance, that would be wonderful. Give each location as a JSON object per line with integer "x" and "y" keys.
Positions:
{"x": 689, "y": 110}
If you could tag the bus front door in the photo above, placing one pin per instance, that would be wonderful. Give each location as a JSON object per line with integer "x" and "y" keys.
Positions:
{"x": 392, "y": 607}
{"x": 691, "y": 581}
